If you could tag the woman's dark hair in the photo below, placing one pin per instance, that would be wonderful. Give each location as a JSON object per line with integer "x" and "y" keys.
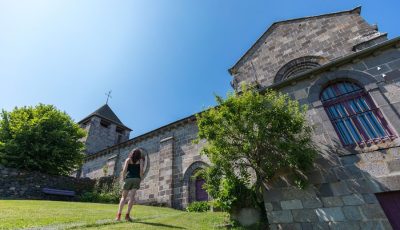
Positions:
{"x": 135, "y": 155}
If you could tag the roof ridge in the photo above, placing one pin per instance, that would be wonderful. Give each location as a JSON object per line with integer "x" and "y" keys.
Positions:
{"x": 356, "y": 10}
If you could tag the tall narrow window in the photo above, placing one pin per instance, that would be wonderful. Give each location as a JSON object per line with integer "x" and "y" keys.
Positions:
{"x": 354, "y": 116}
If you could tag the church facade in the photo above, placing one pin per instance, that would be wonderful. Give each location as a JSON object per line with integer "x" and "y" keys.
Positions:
{"x": 171, "y": 159}
{"x": 347, "y": 72}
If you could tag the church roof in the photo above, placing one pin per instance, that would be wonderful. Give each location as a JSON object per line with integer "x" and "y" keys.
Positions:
{"x": 274, "y": 25}
{"x": 105, "y": 112}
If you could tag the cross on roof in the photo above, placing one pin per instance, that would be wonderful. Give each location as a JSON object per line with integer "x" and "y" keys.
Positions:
{"x": 108, "y": 96}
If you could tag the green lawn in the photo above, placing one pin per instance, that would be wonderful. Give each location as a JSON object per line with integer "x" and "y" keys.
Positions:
{"x": 16, "y": 214}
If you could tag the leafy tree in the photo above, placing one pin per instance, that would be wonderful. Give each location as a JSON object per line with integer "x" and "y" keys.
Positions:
{"x": 252, "y": 138}
{"x": 40, "y": 138}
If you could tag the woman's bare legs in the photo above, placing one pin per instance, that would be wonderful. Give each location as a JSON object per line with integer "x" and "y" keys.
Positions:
{"x": 127, "y": 197}
{"x": 122, "y": 201}
{"x": 131, "y": 201}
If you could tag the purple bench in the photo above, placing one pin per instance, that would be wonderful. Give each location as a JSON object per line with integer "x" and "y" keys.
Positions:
{"x": 60, "y": 192}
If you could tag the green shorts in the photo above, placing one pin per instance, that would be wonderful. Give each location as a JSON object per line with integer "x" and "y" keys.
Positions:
{"x": 131, "y": 183}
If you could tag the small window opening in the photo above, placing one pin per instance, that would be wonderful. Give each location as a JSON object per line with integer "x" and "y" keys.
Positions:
{"x": 120, "y": 130}
{"x": 104, "y": 123}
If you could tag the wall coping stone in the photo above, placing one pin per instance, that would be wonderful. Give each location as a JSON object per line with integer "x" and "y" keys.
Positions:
{"x": 166, "y": 139}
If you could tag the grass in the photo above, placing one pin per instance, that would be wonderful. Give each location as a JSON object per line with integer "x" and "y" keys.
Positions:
{"x": 34, "y": 214}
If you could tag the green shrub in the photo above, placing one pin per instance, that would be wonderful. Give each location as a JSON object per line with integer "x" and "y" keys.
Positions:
{"x": 89, "y": 197}
{"x": 105, "y": 193}
{"x": 96, "y": 197}
{"x": 230, "y": 193}
{"x": 252, "y": 139}
{"x": 198, "y": 206}
{"x": 109, "y": 198}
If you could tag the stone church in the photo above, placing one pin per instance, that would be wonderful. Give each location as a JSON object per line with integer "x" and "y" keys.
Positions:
{"x": 347, "y": 72}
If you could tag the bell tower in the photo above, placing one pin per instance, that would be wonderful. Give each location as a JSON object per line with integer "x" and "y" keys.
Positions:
{"x": 104, "y": 129}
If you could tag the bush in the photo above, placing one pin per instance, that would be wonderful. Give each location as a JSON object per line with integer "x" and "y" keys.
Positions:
{"x": 252, "y": 139}
{"x": 99, "y": 197}
{"x": 89, "y": 197}
{"x": 198, "y": 206}
{"x": 104, "y": 193}
{"x": 229, "y": 192}
{"x": 261, "y": 136}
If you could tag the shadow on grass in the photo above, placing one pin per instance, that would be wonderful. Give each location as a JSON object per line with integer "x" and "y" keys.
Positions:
{"x": 113, "y": 222}
{"x": 159, "y": 225}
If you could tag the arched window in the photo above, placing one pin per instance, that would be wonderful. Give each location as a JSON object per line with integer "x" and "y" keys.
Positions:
{"x": 354, "y": 116}
{"x": 298, "y": 66}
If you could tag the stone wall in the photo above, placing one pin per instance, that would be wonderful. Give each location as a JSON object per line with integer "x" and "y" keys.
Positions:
{"x": 100, "y": 137}
{"x": 326, "y": 36}
{"x": 345, "y": 180}
{"x": 20, "y": 184}
{"x": 341, "y": 194}
{"x": 170, "y": 158}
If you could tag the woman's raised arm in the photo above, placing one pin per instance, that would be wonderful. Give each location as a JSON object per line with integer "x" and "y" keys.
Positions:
{"x": 141, "y": 168}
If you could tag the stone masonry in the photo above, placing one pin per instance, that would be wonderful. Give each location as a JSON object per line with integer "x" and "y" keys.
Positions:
{"x": 330, "y": 36}
{"x": 165, "y": 176}
{"x": 345, "y": 180}
{"x": 171, "y": 159}
{"x": 299, "y": 57}
{"x": 17, "y": 184}
{"x": 104, "y": 130}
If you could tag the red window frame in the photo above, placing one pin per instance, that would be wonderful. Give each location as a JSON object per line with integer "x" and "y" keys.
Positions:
{"x": 357, "y": 121}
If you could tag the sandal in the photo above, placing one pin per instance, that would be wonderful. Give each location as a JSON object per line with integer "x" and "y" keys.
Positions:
{"x": 128, "y": 218}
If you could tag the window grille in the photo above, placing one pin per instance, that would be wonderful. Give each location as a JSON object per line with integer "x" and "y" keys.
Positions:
{"x": 354, "y": 116}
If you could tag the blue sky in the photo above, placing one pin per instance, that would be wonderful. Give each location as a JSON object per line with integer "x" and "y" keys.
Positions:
{"x": 163, "y": 60}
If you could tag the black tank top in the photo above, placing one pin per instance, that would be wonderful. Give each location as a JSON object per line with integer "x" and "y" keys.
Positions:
{"x": 133, "y": 171}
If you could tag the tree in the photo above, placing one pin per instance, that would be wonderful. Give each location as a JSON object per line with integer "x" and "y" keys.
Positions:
{"x": 40, "y": 138}
{"x": 266, "y": 134}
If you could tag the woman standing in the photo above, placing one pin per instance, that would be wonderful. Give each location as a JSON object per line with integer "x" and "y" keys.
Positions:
{"x": 131, "y": 174}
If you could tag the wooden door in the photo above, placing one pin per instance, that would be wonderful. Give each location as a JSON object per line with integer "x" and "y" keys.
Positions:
{"x": 390, "y": 202}
{"x": 201, "y": 194}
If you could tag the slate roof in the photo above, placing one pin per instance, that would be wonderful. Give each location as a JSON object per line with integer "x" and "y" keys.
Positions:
{"x": 106, "y": 113}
